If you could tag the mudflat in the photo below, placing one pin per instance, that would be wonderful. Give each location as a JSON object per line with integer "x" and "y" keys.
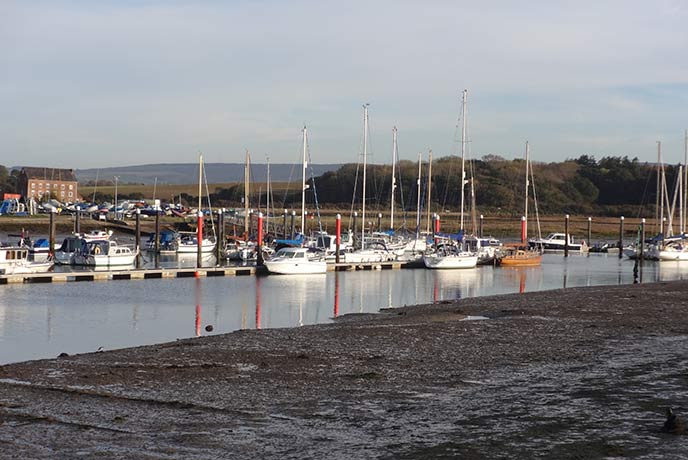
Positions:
{"x": 577, "y": 373}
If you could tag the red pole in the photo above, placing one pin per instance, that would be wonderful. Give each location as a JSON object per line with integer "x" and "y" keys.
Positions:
{"x": 260, "y": 238}
{"x": 200, "y": 239}
{"x": 524, "y": 229}
{"x": 437, "y": 223}
{"x": 338, "y": 238}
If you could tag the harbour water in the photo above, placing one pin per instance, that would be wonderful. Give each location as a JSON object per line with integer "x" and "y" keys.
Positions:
{"x": 43, "y": 320}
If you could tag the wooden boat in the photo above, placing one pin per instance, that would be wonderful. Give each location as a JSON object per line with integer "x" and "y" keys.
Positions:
{"x": 519, "y": 256}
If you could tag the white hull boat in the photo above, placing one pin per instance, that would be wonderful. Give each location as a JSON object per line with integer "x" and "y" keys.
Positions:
{"x": 294, "y": 261}
{"x": 450, "y": 261}
{"x": 105, "y": 254}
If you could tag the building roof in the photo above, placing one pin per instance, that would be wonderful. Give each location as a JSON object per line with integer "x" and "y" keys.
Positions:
{"x": 49, "y": 174}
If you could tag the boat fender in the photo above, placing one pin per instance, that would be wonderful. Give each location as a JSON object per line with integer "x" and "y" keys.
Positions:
{"x": 97, "y": 250}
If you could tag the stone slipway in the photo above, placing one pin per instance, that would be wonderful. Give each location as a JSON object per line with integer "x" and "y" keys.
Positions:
{"x": 577, "y": 373}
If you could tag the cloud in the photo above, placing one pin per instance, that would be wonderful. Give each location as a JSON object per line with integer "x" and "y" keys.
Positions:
{"x": 126, "y": 82}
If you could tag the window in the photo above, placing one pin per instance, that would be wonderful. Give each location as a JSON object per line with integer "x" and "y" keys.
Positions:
{"x": 71, "y": 194}
{"x": 47, "y": 185}
{"x": 33, "y": 185}
{"x": 63, "y": 186}
{"x": 40, "y": 185}
{"x": 54, "y": 185}
{"x": 71, "y": 187}
{"x": 62, "y": 194}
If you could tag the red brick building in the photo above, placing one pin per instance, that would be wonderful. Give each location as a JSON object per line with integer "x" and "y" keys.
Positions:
{"x": 43, "y": 184}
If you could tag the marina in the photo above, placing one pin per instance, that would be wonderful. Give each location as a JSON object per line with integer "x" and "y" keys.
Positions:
{"x": 140, "y": 307}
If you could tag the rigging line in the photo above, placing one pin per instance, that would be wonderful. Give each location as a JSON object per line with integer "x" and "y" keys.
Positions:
{"x": 537, "y": 215}
{"x": 358, "y": 167}
{"x": 207, "y": 193}
{"x": 312, "y": 179}
{"x": 287, "y": 190}
{"x": 454, "y": 154}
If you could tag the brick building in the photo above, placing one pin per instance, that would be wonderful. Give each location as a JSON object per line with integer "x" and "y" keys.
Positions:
{"x": 45, "y": 183}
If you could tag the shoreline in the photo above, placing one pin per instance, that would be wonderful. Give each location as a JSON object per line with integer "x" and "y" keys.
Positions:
{"x": 570, "y": 373}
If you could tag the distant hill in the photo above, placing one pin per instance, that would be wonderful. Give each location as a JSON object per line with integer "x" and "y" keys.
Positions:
{"x": 186, "y": 173}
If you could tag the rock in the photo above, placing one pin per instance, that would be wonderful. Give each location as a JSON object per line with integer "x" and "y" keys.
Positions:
{"x": 209, "y": 328}
{"x": 63, "y": 355}
{"x": 673, "y": 424}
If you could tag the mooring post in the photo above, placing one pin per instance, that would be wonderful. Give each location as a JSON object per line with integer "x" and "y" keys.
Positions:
{"x": 77, "y": 222}
{"x": 220, "y": 243}
{"x": 284, "y": 224}
{"x": 259, "y": 258}
{"x": 355, "y": 219}
{"x": 621, "y": 231}
{"x": 138, "y": 237}
{"x": 434, "y": 226}
{"x": 437, "y": 227}
{"x": 524, "y": 229}
{"x": 338, "y": 237}
{"x": 379, "y": 221}
{"x": 53, "y": 211}
{"x": 293, "y": 218}
{"x": 480, "y": 228}
{"x": 566, "y": 236}
{"x": 589, "y": 231}
{"x": 157, "y": 231}
{"x": 199, "y": 237}
{"x": 641, "y": 243}
{"x": 304, "y": 224}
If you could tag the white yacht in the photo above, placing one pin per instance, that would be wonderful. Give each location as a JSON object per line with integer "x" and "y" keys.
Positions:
{"x": 295, "y": 261}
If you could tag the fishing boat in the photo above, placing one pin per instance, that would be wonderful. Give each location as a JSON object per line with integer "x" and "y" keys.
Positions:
{"x": 295, "y": 261}
{"x": 524, "y": 255}
{"x": 104, "y": 253}
{"x": 15, "y": 260}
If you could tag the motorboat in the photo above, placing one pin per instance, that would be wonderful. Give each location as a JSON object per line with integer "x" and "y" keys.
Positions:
{"x": 295, "y": 261}
{"x": 557, "y": 242}
{"x": 15, "y": 260}
{"x": 374, "y": 252}
{"x": 187, "y": 242}
{"x": 104, "y": 253}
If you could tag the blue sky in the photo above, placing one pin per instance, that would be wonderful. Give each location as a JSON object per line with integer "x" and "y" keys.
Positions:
{"x": 110, "y": 83}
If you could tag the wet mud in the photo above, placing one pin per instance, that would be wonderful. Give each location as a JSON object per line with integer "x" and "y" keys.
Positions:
{"x": 581, "y": 373}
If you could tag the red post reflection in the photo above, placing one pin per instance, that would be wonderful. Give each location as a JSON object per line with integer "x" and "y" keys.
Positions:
{"x": 257, "y": 302}
{"x": 522, "y": 282}
{"x": 435, "y": 290}
{"x": 336, "y": 294}
{"x": 197, "y": 291}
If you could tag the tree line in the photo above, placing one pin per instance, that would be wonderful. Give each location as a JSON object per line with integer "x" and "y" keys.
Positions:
{"x": 609, "y": 186}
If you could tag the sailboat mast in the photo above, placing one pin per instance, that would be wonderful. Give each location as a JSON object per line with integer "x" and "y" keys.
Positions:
{"x": 427, "y": 224}
{"x": 463, "y": 152}
{"x": 525, "y": 207}
{"x": 660, "y": 187}
{"x": 420, "y": 171}
{"x": 200, "y": 179}
{"x": 685, "y": 180}
{"x": 394, "y": 180}
{"x": 365, "y": 159}
{"x": 246, "y": 174}
{"x": 267, "y": 198}
{"x": 303, "y": 182}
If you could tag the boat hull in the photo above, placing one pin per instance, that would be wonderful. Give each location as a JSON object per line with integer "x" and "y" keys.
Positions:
{"x": 450, "y": 262}
{"x": 296, "y": 268}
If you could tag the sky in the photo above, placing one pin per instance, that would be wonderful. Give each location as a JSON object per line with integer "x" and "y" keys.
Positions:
{"x": 88, "y": 84}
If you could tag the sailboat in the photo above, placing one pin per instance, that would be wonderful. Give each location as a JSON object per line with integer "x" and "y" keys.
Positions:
{"x": 449, "y": 256}
{"x": 187, "y": 243}
{"x": 298, "y": 260}
{"x": 371, "y": 251}
{"x": 520, "y": 255}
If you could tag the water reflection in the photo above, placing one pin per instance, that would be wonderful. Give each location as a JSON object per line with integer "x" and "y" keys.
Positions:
{"x": 40, "y": 320}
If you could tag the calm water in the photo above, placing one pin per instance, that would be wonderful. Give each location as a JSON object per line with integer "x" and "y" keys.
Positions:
{"x": 43, "y": 320}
